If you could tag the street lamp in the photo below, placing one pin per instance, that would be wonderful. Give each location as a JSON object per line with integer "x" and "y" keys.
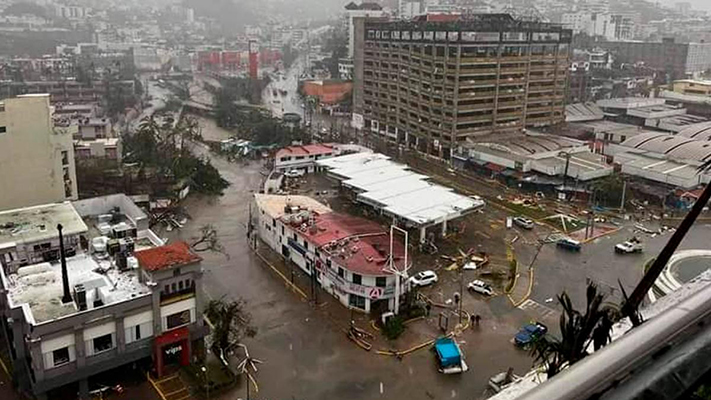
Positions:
{"x": 393, "y": 269}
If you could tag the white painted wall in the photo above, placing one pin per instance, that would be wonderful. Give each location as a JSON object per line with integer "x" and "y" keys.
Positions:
{"x": 31, "y": 170}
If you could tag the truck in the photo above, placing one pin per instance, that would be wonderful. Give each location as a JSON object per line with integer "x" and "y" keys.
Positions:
{"x": 450, "y": 359}
{"x": 629, "y": 247}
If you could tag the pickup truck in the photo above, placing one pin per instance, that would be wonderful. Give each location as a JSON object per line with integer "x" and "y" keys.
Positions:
{"x": 450, "y": 359}
{"x": 629, "y": 247}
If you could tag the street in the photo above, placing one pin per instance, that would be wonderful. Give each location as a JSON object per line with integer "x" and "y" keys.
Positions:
{"x": 306, "y": 354}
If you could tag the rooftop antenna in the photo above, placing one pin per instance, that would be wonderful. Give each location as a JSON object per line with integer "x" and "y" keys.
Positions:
{"x": 67, "y": 297}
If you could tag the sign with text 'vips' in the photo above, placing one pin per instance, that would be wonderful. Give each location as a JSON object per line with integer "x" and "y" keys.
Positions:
{"x": 173, "y": 350}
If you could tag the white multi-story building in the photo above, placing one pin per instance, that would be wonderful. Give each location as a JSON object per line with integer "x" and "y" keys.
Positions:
{"x": 347, "y": 256}
{"x": 67, "y": 319}
{"x": 362, "y": 10}
{"x": 36, "y": 158}
{"x": 408, "y": 9}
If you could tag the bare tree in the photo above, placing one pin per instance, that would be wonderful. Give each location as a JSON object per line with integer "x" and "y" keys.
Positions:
{"x": 208, "y": 240}
{"x": 230, "y": 324}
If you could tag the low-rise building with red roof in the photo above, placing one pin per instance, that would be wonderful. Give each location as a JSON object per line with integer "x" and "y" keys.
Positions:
{"x": 349, "y": 256}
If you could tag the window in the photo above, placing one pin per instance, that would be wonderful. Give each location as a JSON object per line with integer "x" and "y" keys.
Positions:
{"x": 166, "y": 289}
{"x": 173, "y": 287}
{"x": 340, "y": 272}
{"x": 180, "y": 285}
{"x": 273, "y": 222}
{"x": 356, "y": 301}
{"x": 178, "y": 319}
{"x": 357, "y": 279}
{"x": 137, "y": 332}
{"x": 60, "y": 356}
{"x": 282, "y": 229}
{"x": 3, "y": 129}
{"x": 380, "y": 281}
{"x": 103, "y": 343}
{"x": 65, "y": 157}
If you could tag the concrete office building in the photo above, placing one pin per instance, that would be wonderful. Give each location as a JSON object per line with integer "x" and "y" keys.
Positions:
{"x": 135, "y": 301}
{"x": 433, "y": 85}
{"x": 36, "y": 158}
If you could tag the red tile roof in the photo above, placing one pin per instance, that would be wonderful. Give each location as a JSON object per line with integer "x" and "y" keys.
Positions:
{"x": 167, "y": 256}
{"x": 306, "y": 150}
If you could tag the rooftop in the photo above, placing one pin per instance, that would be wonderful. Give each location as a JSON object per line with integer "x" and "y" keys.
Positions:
{"x": 358, "y": 244}
{"x": 277, "y": 206}
{"x": 583, "y": 112}
{"x": 38, "y": 288}
{"x": 629, "y": 102}
{"x": 167, "y": 256}
{"x": 38, "y": 223}
{"x": 700, "y": 131}
{"x": 408, "y": 199}
{"x": 678, "y": 123}
{"x": 675, "y": 147}
{"x": 305, "y": 150}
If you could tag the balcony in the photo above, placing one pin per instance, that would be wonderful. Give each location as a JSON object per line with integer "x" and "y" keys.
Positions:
{"x": 513, "y": 70}
{"x": 513, "y": 114}
{"x": 545, "y": 67}
{"x": 476, "y": 107}
{"x": 476, "y": 118}
{"x": 476, "y": 82}
{"x": 478, "y": 60}
{"x": 479, "y": 95}
{"x": 509, "y": 104}
{"x": 478, "y": 71}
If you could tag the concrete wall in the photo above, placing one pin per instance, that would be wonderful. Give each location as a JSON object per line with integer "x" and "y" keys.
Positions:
{"x": 104, "y": 204}
{"x": 31, "y": 155}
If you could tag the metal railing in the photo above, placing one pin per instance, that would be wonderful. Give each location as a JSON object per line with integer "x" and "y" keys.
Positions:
{"x": 664, "y": 358}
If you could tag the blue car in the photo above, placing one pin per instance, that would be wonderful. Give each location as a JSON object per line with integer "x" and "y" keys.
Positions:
{"x": 529, "y": 334}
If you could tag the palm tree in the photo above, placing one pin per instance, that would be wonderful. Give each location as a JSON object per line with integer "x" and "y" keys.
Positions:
{"x": 578, "y": 330}
{"x": 631, "y": 305}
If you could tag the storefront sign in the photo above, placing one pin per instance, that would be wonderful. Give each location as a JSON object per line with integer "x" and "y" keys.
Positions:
{"x": 173, "y": 350}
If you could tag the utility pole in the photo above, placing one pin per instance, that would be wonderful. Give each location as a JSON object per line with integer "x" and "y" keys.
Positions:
{"x": 393, "y": 269}
{"x": 624, "y": 189}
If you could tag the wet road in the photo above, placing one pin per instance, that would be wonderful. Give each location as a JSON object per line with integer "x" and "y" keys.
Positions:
{"x": 306, "y": 356}
{"x": 558, "y": 270}
{"x": 289, "y": 103}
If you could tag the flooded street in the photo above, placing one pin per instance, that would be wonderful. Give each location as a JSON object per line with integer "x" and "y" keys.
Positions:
{"x": 306, "y": 355}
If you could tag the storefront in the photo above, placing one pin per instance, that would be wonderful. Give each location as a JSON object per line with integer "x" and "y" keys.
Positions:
{"x": 172, "y": 349}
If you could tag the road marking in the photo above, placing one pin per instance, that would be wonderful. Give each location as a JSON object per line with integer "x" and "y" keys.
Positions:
{"x": 538, "y": 308}
{"x": 381, "y": 387}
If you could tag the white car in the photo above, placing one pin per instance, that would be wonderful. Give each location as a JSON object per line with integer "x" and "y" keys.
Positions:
{"x": 481, "y": 287}
{"x": 423, "y": 278}
{"x": 524, "y": 223}
{"x": 628, "y": 247}
{"x": 294, "y": 173}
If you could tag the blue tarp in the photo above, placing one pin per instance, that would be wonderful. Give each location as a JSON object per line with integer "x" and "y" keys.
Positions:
{"x": 447, "y": 352}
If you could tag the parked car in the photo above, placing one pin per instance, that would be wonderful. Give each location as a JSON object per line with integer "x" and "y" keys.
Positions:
{"x": 524, "y": 223}
{"x": 629, "y": 247}
{"x": 530, "y": 334}
{"x": 569, "y": 244}
{"x": 294, "y": 173}
{"x": 423, "y": 278}
{"x": 481, "y": 287}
